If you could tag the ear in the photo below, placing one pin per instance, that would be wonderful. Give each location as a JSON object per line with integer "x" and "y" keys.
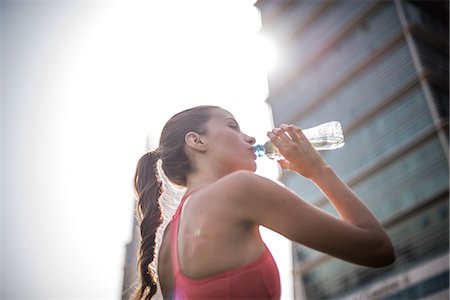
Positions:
{"x": 195, "y": 141}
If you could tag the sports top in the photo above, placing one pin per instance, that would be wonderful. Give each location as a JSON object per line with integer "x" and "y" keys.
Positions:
{"x": 258, "y": 279}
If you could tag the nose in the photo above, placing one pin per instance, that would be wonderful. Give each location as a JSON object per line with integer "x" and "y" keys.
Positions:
{"x": 251, "y": 140}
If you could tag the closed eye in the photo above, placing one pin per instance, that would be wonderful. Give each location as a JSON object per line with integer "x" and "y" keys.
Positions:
{"x": 232, "y": 123}
{"x": 235, "y": 127}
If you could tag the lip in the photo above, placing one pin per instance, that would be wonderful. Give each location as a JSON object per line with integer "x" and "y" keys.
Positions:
{"x": 253, "y": 154}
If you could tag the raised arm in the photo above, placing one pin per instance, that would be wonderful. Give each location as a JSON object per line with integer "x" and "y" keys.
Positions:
{"x": 355, "y": 237}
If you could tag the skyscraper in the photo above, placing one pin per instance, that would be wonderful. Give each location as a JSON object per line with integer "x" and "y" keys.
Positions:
{"x": 130, "y": 266}
{"x": 381, "y": 68}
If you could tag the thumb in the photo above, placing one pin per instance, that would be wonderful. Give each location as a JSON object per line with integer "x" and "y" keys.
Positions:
{"x": 283, "y": 163}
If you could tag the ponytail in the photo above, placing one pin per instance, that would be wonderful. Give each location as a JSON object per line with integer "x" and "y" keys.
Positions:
{"x": 147, "y": 186}
{"x": 175, "y": 166}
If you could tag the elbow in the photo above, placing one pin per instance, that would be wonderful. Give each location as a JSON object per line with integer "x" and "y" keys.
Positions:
{"x": 385, "y": 259}
{"x": 384, "y": 254}
{"x": 389, "y": 254}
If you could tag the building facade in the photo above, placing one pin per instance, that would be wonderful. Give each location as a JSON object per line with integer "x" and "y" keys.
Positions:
{"x": 381, "y": 69}
{"x": 130, "y": 266}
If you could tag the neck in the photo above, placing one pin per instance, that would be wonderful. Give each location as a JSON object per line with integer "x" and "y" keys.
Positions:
{"x": 201, "y": 179}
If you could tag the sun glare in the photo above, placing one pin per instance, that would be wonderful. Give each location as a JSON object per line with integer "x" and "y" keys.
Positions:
{"x": 266, "y": 52}
{"x": 113, "y": 73}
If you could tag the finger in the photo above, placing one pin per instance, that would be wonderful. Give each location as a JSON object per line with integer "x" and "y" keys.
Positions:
{"x": 275, "y": 140}
{"x": 290, "y": 130}
{"x": 282, "y": 135}
{"x": 283, "y": 163}
{"x": 301, "y": 135}
{"x": 299, "y": 132}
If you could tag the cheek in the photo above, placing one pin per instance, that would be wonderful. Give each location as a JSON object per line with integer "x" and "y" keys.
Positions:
{"x": 228, "y": 140}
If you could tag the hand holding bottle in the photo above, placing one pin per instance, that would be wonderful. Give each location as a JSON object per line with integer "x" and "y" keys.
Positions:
{"x": 298, "y": 153}
{"x": 326, "y": 136}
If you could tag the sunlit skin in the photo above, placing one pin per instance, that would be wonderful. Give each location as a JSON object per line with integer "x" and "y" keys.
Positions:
{"x": 222, "y": 150}
{"x": 211, "y": 232}
{"x": 219, "y": 226}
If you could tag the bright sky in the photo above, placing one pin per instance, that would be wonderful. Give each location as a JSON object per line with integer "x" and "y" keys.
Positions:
{"x": 85, "y": 84}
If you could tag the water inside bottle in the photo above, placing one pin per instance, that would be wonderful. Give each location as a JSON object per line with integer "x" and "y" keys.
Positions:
{"x": 320, "y": 143}
{"x": 328, "y": 143}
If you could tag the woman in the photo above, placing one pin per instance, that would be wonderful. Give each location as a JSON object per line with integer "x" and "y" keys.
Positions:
{"x": 212, "y": 248}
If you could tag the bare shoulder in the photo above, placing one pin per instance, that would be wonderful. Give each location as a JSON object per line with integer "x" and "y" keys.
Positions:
{"x": 227, "y": 193}
{"x": 261, "y": 201}
{"x": 241, "y": 182}
{"x": 246, "y": 189}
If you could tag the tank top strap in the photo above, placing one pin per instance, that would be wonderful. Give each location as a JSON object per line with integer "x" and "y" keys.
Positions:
{"x": 174, "y": 234}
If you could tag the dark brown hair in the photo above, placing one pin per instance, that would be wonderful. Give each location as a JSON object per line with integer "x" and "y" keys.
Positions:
{"x": 148, "y": 187}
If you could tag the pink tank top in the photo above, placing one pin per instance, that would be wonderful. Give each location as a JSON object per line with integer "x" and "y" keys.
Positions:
{"x": 256, "y": 280}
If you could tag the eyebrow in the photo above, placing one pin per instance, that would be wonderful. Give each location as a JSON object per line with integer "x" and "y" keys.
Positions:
{"x": 232, "y": 119}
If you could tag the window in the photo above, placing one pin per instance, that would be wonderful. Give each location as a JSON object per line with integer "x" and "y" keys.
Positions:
{"x": 413, "y": 243}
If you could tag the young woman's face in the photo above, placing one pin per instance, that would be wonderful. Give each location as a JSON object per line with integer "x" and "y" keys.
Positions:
{"x": 227, "y": 145}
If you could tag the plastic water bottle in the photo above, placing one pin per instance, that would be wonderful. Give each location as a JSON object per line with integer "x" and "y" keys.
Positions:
{"x": 326, "y": 136}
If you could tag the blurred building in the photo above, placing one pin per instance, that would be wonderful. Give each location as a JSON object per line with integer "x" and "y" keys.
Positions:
{"x": 130, "y": 267}
{"x": 381, "y": 68}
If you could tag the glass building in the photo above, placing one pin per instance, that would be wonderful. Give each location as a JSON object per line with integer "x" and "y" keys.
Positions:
{"x": 381, "y": 69}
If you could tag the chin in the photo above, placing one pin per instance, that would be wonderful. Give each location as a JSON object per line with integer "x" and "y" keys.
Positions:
{"x": 251, "y": 167}
{"x": 246, "y": 166}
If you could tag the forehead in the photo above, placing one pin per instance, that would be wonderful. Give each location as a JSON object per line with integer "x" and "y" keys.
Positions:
{"x": 221, "y": 115}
